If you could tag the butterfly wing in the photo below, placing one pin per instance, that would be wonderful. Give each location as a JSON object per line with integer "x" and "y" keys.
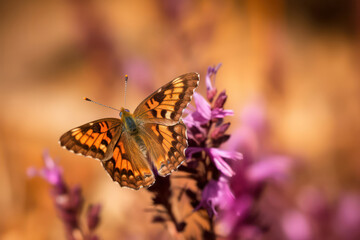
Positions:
{"x": 163, "y": 130}
{"x": 165, "y": 105}
{"x": 128, "y": 165}
{"x": 95, "y": 139}
{"x": 167, "y": 145}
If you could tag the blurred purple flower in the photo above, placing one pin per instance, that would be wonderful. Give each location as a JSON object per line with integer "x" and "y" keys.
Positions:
{"x": 251, "y": 174}
{"x": 270, "y": 167}
{"x": 67, "y": 200}
{"x": 296, "y": 226}
{"x": 235, "y": 215}
{"x": 216, "y": 194}
{"x": 218, "y": 157}
{"x": 315, "y": 217}
{"x": 346, "y": 219}
{"x": 51, "y": 172}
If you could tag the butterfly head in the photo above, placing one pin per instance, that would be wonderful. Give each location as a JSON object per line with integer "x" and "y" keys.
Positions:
{"x": 124, "y": 113}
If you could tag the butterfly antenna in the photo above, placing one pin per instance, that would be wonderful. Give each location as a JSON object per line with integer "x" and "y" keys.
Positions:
{"x": 89, "y": 100}
{"x": 126, "y": 80}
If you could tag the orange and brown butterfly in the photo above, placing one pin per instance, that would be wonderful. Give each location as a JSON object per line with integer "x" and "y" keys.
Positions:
{"x": 130, "y": 146}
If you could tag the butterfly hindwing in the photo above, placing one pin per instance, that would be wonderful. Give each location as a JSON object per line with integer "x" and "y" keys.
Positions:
{"x": 167, "y": 146}
{"x": 128, "y": 165}
{"x": 95, "y": 139}
{"x": 165, "y": 106}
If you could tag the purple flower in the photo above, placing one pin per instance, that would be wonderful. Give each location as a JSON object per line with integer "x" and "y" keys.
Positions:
{"x": 251, "y": 174}
{"x": 221, "y": 113}
{"x": 201, "y": 115}
{"x": 270, "y": 167}
{"x": 346, "y": 221}
{"x": 219, "y": 130}
{"x": 51, "y": 172}
{"x": 316, "y": 217}
{"x": 216, "y": 194}
{"x": 210, "y": 81}
{"x": 207, "y": 164}
{"x": 296, "y": 226}
{"x": 68, "y": 201}
{"x": 218, "y": 157}
{"x": 204, "y": 113}
{"x": 236, "y": 213}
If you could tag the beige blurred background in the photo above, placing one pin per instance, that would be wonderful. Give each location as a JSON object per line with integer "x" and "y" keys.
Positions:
{"x": 301, "y": 57}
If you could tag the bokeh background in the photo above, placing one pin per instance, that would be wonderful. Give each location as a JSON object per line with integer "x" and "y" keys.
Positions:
{"x": 301, "y": 58}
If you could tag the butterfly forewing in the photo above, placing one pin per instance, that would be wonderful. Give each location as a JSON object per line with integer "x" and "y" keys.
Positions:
{"x": 165, "y": 106}
{"x": 128, "y": 165}
{"x": 94, "y": 139}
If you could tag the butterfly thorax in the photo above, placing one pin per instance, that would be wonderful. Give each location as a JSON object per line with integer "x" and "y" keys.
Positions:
{"x": 131, "y": 127}
{"x": 129, "y": 122}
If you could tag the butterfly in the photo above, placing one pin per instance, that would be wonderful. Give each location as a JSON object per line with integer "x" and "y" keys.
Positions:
{"x": 154, "y": 136}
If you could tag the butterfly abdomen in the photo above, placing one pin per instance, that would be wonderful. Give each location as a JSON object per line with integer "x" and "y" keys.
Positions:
{"x": 141, "y": 145}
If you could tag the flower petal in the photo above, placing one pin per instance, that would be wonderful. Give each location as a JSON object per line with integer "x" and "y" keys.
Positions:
{"x": 216, "y": 194}
{"x": 203, "y": 108}
{"x": 272, "y": 167}
{"x": 51, "y": 172}
{"x": 237, "y": 211}
{"x": 227, "y": 154}
{"x": 191, "y": 150}
{"x": 217, "y": 156}
{"x": 221, "y": 113}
